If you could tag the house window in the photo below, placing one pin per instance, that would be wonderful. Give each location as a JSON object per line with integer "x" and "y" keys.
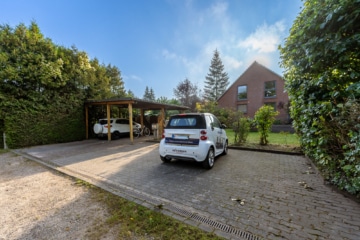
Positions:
{"x": 273, "y": 104}
{"x": 270, "y": 89}
{"x": 242, "y": 108}
{"x": 242, "y": 92}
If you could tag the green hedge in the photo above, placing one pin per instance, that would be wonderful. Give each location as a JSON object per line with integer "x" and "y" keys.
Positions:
{"x": 37, "y": 128}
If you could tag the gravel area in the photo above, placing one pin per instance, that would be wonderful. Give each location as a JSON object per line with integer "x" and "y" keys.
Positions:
{"x": 39, "y": 203}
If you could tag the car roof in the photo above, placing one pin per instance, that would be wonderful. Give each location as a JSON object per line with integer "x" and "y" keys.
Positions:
{"x": 191, "y": 114}
{"x": 112, "y": 118}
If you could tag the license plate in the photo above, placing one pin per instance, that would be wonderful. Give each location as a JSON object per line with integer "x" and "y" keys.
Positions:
{"x": 180, "y": 136}
{"x": 179, "y": 151}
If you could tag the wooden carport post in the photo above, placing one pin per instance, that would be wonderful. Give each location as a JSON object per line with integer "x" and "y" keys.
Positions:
{"x": 131, "y": 123}
{"x": 142, "y": 117}
{"x": 161, "y": 123}
{"x": 108, "y": 120}
{"x": 87, "y": 121}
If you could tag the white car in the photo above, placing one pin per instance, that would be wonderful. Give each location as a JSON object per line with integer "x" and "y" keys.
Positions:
{"x": 197, "y": 137}
{"x": 118, "y": 127}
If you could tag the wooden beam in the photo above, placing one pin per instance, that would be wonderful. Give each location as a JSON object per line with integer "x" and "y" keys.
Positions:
{"x": 142, "y": 117}
{"x": 161, "y": 123}
{"x": 131, "y": 123}
{"x": 108, "y": 121}
{"x": 87, "y": 121}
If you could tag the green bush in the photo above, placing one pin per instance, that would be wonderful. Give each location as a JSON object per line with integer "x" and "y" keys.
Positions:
{"x": 241, "y": 128}
{"x": 264, "y": 118}
{"x": 25, "y": 129}
{"x": 321, "y": 58}
{"x": 226, "y": 116}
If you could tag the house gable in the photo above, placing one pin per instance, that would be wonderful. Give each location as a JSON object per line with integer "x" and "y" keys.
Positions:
{"x": 257, "y": 86}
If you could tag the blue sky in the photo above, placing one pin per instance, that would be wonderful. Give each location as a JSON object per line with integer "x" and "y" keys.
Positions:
{"x": 159, "y": 43}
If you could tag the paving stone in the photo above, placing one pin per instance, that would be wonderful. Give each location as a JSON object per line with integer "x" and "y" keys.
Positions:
{"x": 276, "y": 206}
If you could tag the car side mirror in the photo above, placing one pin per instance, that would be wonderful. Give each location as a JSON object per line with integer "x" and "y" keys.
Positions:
{"x": 223, "y": 126}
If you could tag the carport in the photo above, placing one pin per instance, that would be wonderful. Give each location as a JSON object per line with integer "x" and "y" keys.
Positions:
{"x": 130, "y": 104}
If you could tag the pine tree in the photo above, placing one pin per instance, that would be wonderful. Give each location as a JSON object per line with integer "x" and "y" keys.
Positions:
{"x": 152, "y": 95}
{"x": 217, "y": 80}
{"x": 146, "y": 94}
{"x": 149, "y": 94}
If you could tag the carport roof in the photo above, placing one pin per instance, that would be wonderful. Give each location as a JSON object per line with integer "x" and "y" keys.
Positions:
{"x": 136, "y": 103}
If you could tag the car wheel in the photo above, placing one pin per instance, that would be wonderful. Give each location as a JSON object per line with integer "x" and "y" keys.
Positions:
{"x": 165, "y": 159}
{"x": 117, "y": 135}
{"x": 98, "y": 128}
{"x": 208, "y": 163}
{"x": 225, "y": 148}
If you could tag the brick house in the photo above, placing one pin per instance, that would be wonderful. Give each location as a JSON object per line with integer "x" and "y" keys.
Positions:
{"x": 257, "y": 86}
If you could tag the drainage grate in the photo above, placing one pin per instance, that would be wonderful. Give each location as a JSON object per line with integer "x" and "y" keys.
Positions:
{"x": 225, "y": 228}
{"x": 180, "y": 211}
{"x": 195, "y": 216}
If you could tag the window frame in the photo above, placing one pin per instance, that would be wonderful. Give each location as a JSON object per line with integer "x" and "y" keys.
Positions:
{"x": 246, "y": 92}
{"x": 270, "y": 89}
{"x": 246, "y": 106}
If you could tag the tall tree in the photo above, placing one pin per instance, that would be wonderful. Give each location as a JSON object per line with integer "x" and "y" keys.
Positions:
{"x": 321, "y": 58}
{"x": 217, "y": 79}
{"x": 116, "y": 83}
{"x": 130, "y": 94}
{"x": 187, "y": 94}
{"x": 43, "y": 85}
{"x": 149, "y": 94}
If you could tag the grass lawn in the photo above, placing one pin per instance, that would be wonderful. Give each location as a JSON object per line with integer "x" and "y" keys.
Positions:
{"x": 277, "y": 141}
{"x": 133, "y": 221}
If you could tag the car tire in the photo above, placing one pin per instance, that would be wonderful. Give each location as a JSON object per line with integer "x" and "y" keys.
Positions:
{"x": 98, "y": 128}
{"x": 225, "y": 152}
{"x": 209, "y": 161}
{"x": 165, "y": 159}
{"x": 117, "y": 135}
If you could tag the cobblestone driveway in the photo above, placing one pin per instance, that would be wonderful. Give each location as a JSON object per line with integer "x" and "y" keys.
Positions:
{"x": 283, "y": 196}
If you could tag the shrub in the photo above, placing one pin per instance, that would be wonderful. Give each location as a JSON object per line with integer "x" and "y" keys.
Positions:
{"x": 226, "y": 116}
{"x": 241, "y": 128}
{"x": 321, "y": 59}
{"x": 264, "y": 118}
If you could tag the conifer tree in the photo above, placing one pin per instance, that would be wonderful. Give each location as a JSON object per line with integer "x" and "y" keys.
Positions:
{"x": 149, "y": 94}
{"x": 217, "y": 79}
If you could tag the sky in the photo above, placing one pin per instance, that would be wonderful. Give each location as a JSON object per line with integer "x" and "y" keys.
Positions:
{"x": 160, "y": 43}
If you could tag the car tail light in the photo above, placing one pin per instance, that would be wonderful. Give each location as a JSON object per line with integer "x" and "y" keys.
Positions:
{"x": 203, "y": 136}
{"x": 163, "y": 134}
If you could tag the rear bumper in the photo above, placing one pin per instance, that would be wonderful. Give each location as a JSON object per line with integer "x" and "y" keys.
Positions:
{"x": 196, "y": 153}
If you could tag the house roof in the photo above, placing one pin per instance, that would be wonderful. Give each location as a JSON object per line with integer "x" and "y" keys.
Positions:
{"x": 254, "y": 64}
{"x": 136, "y": 103}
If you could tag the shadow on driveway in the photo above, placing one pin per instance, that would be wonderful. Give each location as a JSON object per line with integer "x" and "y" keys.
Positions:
{"x": 275, "y": 202}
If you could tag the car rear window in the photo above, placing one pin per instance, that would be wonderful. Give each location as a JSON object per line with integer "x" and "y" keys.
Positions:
{"x": 104, "y": 121}
{"x": 187, "y": 121}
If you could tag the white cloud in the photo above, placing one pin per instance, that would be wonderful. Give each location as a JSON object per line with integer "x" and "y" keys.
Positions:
{"x": 204, "y": 30}
{"x": 232, "y": 63}
{"x": 132, "y": 77}
{"x": 219, "y": 9}
{"x": 265, "y": 39}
